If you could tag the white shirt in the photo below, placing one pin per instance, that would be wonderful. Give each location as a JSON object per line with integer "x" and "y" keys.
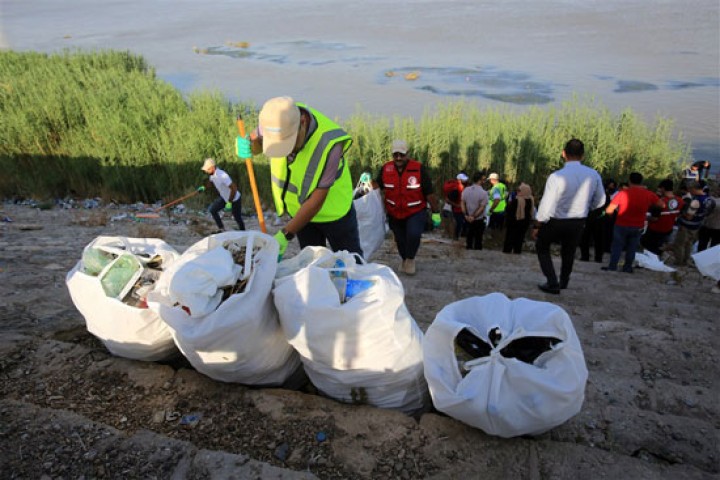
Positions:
{"x": 222, "y": 182}
{"x": 571, "y": 192}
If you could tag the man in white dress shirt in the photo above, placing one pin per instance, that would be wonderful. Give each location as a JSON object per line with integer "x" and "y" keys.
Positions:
{"x": 570, "y": 193}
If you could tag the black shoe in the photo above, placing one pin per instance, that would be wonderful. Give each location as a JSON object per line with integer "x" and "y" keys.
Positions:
{"x": 608, "y": 269}
{"x": 563, "y": 285}
{"x": 627, "y": 270}
{"x": 547, "y": 288}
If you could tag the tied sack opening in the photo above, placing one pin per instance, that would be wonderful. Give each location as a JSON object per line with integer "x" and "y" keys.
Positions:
{"x": 469, "y": 346}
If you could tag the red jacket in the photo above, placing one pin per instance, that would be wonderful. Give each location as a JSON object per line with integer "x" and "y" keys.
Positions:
{"x": 450, "y": 186}
{"x": 671, "y": 210}
{"x": 403, "y": 193}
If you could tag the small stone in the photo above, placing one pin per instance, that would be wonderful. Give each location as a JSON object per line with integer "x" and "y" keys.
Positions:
{"x": 282, "y": 451}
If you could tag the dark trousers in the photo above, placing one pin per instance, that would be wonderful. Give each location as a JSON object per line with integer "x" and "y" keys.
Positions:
{"x": 342, "y": 234}
{"x": 593, "y": 234}
{"x": 460, "y": 224}
{"x": 515, "y": 235}
{"x": 218, "y": 205}
{"x": 408, "y": 232}
{"x": 652, "y": 240}
{"x": 474, "y": 239}
{"x": 708, "y": 236}
{"x": 497, "y": 221}
{"x": 624, "y": 238}
{"x": 567, "y": 233}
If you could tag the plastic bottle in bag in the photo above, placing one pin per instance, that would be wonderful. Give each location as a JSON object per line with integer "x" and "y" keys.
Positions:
{"x": 340, "y": 279}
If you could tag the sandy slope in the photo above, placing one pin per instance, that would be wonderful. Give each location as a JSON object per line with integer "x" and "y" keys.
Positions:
{"x": 68, "y": 408}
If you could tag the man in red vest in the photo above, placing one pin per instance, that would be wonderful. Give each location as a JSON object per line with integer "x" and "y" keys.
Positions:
{"x": 407, "y": 188}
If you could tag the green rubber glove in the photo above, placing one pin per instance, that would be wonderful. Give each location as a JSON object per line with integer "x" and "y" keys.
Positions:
{"x": 280, "y": 237}
{"x": 201, "y": 189}
{"x": 242, "y": 147}
{"x": 436, "y": 221}
{"x": 228, "y": 206}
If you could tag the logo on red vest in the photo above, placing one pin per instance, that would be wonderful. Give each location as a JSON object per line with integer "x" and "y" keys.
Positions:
{"x": 412, "y": 180}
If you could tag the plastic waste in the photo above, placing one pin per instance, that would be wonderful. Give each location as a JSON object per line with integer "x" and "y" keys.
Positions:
{"x": 191, "y": 419}
{"x": 355, "y": 287}
{"x": 94, "y": 260}
{"x": 340, "y": 279}
{"x": 118, "y": 277}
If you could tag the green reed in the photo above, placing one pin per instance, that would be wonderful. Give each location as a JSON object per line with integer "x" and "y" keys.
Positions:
{"x": 102, "y": 124}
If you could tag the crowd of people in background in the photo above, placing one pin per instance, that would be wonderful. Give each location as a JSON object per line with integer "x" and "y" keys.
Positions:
{"x": 311, "y": 182}
{"x": 606, "y": 218}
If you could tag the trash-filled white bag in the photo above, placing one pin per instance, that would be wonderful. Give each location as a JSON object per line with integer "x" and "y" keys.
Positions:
{"x": 370, "y": 216}
{"x": 708, "y": 262}
{"x": 525, "y": 371}
{"x": 109, "y": 286}
{"x": 649, "y": 260}
{"x": 367, "y": 349}
{"x": 237, "y": 339}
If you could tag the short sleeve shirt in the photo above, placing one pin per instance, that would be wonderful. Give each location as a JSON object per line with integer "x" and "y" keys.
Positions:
{"x": 633, "y": 204}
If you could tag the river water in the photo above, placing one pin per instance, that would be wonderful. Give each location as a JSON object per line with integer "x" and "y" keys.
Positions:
{"x": 657, "y": 57}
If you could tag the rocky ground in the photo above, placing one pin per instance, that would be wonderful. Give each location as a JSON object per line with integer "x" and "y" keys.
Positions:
{"x": 69, "y": 409}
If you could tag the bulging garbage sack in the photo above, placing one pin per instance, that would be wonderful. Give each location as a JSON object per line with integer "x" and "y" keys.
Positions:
{"x": 217, "y": 299}
{"x": 109, "y": 286}
{"x": 508, "y": 367}
{"x": 371, "y": 218}
{"x": 356, "y": 338}
{"x": 708, "y": 262}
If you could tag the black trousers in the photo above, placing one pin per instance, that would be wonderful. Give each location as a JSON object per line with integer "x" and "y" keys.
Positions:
{"x": 653, "y": 240}
{"x": 476, "y": 229}
{"x": 515, "y": 235}
{"x": 567, "y": 233}
{"x": 341, "y": 234}
{"x": 593, "y": 234}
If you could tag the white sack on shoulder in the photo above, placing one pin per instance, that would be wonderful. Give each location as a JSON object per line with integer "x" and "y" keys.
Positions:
{"x": 506, "y": 396}
{"x": 649, "y": 260}
{"x": 241, "y": 341}
{"x": 126, "y": 331}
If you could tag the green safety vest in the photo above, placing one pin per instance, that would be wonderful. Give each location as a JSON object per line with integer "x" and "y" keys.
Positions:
{"x": 503, "y": 193}
{"x": 293, "y": 183}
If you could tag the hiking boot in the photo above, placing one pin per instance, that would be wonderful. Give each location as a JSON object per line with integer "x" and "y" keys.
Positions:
{"x": 410, "y": 266}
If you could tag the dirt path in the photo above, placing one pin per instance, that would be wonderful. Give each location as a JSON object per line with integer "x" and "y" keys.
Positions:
{"x": 70, "y": 409}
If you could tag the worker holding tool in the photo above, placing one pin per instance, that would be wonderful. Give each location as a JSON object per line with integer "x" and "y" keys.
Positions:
{"x": 229, "y": 198}
{"x": 310, "y": 176}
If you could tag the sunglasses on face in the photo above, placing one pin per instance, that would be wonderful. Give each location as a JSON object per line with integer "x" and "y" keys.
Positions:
{"x": 398, "y": 155}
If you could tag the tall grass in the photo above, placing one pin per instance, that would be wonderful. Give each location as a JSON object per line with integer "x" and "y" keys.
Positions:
{"x": 102, "y": 124}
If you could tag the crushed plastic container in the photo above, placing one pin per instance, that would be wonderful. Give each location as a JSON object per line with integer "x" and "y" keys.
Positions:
{"x": 118, "y": 277}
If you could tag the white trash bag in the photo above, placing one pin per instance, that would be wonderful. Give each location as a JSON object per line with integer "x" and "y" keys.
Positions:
{"x": 649, "y": 260}
{"x": 217, "y": 299}
{"x": 708, "y": 261}
{"x": 371, "y": 218}
{"x": 109, "y": 286}
{"x": 356, "y": 338}
{"x": 529, "y": 373}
